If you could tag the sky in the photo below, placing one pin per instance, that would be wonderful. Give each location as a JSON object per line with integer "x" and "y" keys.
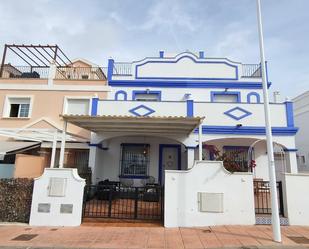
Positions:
{"x": 129, "y": 30}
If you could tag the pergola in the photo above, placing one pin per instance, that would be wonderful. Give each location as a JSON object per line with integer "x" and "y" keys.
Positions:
{"x": 134, "y": 125}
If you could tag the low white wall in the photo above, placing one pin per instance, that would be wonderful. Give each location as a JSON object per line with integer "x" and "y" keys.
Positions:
{"x": 64, "y": 206}
{"x": 181, "y": 196}
{"x": 296, "y": 200}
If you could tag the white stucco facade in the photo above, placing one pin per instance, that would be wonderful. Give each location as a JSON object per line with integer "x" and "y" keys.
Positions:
{"x": 301, "y": 115}
{"x": 136, "y": 135}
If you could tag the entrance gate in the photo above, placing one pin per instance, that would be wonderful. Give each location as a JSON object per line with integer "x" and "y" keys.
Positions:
{"x": 262, "y": 199}
{"x": 118, "y": 202}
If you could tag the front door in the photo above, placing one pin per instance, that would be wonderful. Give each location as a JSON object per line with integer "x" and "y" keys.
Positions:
{"x": 169, "y": 159}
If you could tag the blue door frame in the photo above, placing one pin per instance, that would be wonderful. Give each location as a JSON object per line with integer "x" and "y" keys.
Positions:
{"x": 161, "y": 147}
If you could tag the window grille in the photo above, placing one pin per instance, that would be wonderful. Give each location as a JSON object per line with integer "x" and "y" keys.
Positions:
{"x": 134, "y": 159}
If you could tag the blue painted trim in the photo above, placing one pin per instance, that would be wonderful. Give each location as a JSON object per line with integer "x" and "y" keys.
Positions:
{"x": 98, "y": 146}
{"x": 187, "y": 84}
{"x": 133, "y": 111}
{"x": 161, "y": 146}
{"x": 186, "y": 78}
{"x": 230, "y": 113}
{"x": 94, "y": 106}
{"x": 190, "y": 110}
{"x": 191, "y": 147}
{"x": 201, "y": 55}
{"x": 290, "y": 150}
{"x": 135, "y": 144}
{"x": 146, "y": 92}
{"x": 214, "y": 93}
{"x": 121, "y": 92}
{"x": 258, "y": 98}
{"x": 161, "y": 54}
{"x": 110, "y": 69}
{"x": 133, "y": 177}
{"x": 247, "y": 130}
{"x": 289, "y": 113}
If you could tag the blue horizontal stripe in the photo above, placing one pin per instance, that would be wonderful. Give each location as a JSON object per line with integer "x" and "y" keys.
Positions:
{"x": 187, "y": 84}
{"x": 247, "y": 130}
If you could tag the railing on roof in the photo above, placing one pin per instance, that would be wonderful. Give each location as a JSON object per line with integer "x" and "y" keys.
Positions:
{"x": 30, "y": 72}
{"x": 81, "y": 73}
{"x": 122, "y": 68}
{"x": 251, "y": 71}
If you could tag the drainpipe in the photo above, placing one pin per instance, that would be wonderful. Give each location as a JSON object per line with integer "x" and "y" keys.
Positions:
{"x": 53, "y": 154}
{"x": 200, "y": 149}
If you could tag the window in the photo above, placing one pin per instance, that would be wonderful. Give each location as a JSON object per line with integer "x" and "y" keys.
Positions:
{"x": 147, "y": 95}
{"x": 237, "y": 155}
{"x": 17, "y": 107}
{"x": 134, "y": 159}
{"x": 77, "y": 106}
{"x": 85, "y": 77}
{"x": 225, "y": 97}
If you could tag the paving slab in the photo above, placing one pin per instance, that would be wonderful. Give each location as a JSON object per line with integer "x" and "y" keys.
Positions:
{"x": 13, "y": 236}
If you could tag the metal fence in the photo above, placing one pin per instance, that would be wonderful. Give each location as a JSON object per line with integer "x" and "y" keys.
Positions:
{"x": 262, "y": 198}
{"x": 251, "y": 71}
{"x": 81, "y": 73}
{"x": 122, "y": 68}
{"x": 31, "y": 72}
{"x": 112, "y": 200}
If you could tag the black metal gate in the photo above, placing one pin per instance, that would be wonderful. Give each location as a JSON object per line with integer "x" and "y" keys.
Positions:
{"x": 262, "y": 199}
{"x": 120, "y": 202}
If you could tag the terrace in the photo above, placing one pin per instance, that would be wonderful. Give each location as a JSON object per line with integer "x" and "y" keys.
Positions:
{"x": 45, "y": 62}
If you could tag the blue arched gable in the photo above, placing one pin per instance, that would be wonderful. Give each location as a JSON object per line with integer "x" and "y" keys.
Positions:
{"x": 256, "y": 95}
{"x": 121, "y": 93}
{"x": 193, "y": 58}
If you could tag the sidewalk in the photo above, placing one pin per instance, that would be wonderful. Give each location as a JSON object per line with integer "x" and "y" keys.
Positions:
{"x": 89, "y": 236}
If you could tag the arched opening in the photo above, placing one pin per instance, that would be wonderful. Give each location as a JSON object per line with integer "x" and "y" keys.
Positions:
{"x": 253, "y": 97}
{"x": 121, "y": 95}
{"x": 138, "y": 160}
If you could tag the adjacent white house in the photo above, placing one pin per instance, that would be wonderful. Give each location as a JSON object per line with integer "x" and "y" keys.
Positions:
{"x": 301, "y": 116}
{"x": 163, "y": 123}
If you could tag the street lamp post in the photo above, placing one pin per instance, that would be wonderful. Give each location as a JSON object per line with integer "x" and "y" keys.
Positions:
{"x": 269, "y": 139}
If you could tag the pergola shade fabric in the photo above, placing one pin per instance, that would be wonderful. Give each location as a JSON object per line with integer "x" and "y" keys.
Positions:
{"x": 11, "y": 147}
{"x": 141, "y": 125}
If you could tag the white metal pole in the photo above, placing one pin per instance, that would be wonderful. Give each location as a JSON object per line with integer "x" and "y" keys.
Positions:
{"x": 53, "y": 153}
{"x": 200, "y": 149}
{"x": 269, "y": 139}
{"x": 62, "y": 148}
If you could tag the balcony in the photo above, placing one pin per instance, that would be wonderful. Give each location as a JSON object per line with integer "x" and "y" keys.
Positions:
{"x": 58, "y": 73}
{"x": 247, "y": 70}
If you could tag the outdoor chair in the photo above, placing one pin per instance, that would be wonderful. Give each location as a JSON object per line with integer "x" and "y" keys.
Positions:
{"x": 107, "y": 190}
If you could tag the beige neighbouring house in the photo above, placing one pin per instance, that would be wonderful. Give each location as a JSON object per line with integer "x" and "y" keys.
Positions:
{"x": 32, "y": 99}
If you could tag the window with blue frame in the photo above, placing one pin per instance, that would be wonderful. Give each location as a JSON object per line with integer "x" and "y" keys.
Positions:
{"x": 134, "y": 160}
{"x": 147, "y": 95}
{"x": 225, "y": 97}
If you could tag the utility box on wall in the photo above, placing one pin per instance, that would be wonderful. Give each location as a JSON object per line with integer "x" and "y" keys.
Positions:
{"x": 210, "y": 202}
{"x": 57, "y": 198}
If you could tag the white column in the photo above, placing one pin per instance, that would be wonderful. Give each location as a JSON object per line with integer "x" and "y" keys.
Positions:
{"x": 292, "y": 162}
{"x": 61, "y": 159}
{"x": 200, "y": 149}
{"x": 51, "y": 73}
{"x": 190, "y": 157}
{"x": 53, "y": 153}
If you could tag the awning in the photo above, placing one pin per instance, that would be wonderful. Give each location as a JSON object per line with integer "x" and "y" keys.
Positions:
{"x": 136, "y": 125}
{"x": 12, "y": 147}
